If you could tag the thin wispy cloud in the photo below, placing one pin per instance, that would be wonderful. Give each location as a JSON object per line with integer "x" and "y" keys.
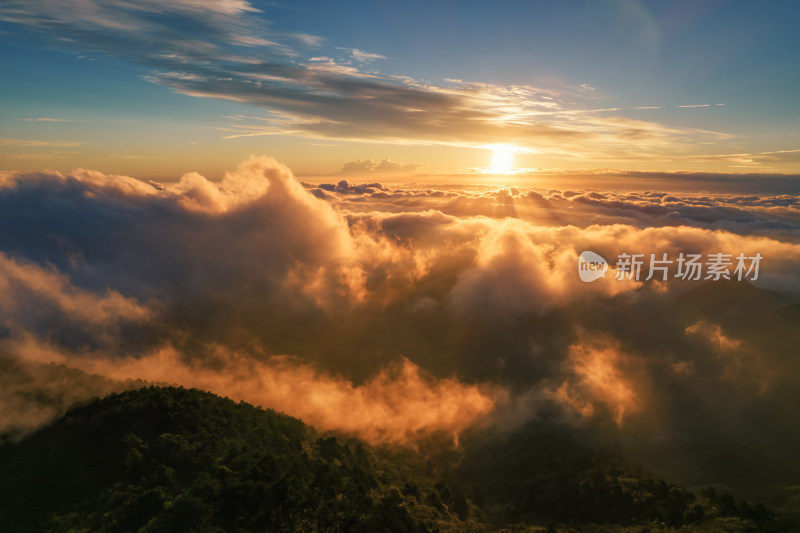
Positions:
{"x": 132, "y": 156}
{"x": 746, "y": 158}
{"x": 47, "y": 119}
{"x": 225, "y": 49}
{"x": 307, "y": 39}
{"x": 33, "y": 143}
{"x": 384, "y": 166}
{"x": 364, "y": 57}
{"x": 39, "y": 156}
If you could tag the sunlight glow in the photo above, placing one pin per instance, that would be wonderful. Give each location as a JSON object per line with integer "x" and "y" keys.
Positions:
{"x": 502, "y": 158}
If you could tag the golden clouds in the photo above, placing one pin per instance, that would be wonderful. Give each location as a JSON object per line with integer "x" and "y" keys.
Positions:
{"x": 604, "y": 375}
{"x": 398, "y": 405}
{"x": 391, "y": 313}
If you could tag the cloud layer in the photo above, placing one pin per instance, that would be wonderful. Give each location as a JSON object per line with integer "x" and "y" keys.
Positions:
{"x": 398, "y": 313}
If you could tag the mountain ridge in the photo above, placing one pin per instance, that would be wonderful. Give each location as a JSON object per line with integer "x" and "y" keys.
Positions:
{"x": 174, "y": 459}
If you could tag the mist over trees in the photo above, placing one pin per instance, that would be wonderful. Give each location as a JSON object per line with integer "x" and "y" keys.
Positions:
{"x": 172, "y": 459}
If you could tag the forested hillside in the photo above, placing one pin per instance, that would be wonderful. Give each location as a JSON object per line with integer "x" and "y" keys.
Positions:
{"x": 171, "y": 459}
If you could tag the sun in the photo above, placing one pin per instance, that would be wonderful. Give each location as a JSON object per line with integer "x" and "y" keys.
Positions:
{"x": 502, "y": 158}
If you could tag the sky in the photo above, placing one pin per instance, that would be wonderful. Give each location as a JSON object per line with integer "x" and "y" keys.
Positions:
{"x": 373, "y": 218}
{"x": 428, "y": 90}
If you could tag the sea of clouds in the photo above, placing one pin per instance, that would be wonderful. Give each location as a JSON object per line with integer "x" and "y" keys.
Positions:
{"x": 397, "y": 313}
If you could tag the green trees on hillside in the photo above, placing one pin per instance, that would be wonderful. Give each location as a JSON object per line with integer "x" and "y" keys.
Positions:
{"x": 168, "y": 459}
{"x": 171, "y": 459}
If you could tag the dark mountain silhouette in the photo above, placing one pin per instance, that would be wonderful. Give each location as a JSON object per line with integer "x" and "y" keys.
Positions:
{"x": 171, "y": 459}
{"x": 731, "y": 303}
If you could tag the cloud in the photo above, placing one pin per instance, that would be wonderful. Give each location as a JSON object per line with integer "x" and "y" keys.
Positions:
{"x": 26, "y": 288}
{"x": 344, "y": 187}
{"x": 518, "y": 271}
{"x": 34, "y": 394}
{"x": 384, "y": 166}
{"x": 31, "y": 143}
{"x": 312, "y": 41}
{"x": 771, "y": 211}
{"x": 397, "y": 405}
{"x": 600, "y": 378}
{"x": 227, "y": 50}
{"x": 713, "y": 333}
{"x": 423, "y": 309}
{"x": 47, "y": 119}
{"x": 37, "y": 156}
{"x": 131, "y": 156}
{"x": 365, "y": 57}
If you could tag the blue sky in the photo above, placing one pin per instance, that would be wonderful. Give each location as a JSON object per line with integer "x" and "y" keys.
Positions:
{"x": 159, "y": 88}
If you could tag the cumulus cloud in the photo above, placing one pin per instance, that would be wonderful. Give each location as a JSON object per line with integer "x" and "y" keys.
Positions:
{"x": 599, "y": 372}
{"x": 713, "y": 332}
{"x": 421, "y": 309}
{"x": 772, "y": 211}
{"x": 35, "y": 294}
